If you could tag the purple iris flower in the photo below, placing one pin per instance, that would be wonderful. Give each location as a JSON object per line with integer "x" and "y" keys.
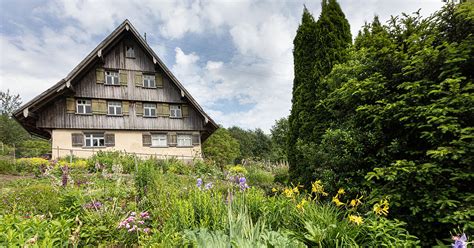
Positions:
{"x": 199, "y": 183}
{"x": 242, "y": 180}
{"x": 460, "y": 242}
{"x": 208, "y": 186}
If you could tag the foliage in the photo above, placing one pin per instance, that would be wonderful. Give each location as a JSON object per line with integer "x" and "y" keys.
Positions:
{"x": 253, "y": 143}
{"x": 221, "y": 147}
{"x": 398, "y": 120}
{"x": 279, "y": 137}
{"x": 33, "y": 148}
{"x": 318, "y": 46}
{"x": 30, "y": 165}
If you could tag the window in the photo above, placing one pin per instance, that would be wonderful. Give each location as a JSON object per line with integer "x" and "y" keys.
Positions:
{"x": 112, "y": 78}
{"x": 175, "y": 111}
{"x": 149, "y": 109}
{"x": 149, "y": 81}
{"x": 115, "y": 108}
{"x": 94, "y": 140}
{"x": 159, "y": 140}
{"x": 185, "y": 140}
{"x": 129, "y": 52}
{"x": 83, "y": 106}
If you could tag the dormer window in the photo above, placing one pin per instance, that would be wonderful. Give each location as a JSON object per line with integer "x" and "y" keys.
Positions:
{"x": 149, "y": 81}
{"x": 112, "y": 78}
{"x": 175, "y": 111}
{"x": 129, "y": 52}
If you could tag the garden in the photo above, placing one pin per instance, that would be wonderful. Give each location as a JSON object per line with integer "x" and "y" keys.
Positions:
{"x": 115, "y": 199}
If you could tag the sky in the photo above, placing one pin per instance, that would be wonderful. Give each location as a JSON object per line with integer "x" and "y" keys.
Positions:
{"x": 233, "y": 56}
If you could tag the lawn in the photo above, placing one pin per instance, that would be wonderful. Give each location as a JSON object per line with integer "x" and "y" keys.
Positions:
{"x": 111, "y": 200}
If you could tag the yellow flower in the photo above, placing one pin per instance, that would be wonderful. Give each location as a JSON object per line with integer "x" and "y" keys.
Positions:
{"x": 295, "y": 190}
{"x": 356, "y": 219}
{"x": 337, "y": 201}
{"x": 274, "y": 190}
{"x": 288, "y": 192}
{"x": 300, "y": 205}
{"x": 356, "y": 202}
{"x": 318, "y": 188}
{"x": 341, "y": 191}
{"x": 381, "y": 208}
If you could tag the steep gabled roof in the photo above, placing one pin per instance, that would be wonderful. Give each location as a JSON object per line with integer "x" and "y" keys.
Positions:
{"x": 65, "y": 84}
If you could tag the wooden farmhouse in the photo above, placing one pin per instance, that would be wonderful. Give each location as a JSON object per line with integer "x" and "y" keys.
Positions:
{"x": 120, "y": 97}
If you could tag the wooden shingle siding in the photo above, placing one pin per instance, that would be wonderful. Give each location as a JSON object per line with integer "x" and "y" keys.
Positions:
{"x": 55, "y": 116}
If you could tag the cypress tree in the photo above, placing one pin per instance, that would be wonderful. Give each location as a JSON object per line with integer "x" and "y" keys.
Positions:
{"x": 317, "y": 47}
{"x": 304, "y": 55}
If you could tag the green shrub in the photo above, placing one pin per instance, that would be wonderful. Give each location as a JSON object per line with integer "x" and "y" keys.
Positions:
{"x": 237, "y": 170}
{"x": 33, "y": 148}
{"x": 109, "y": 158}
{"x": 31, "y": 199}
{"x": 281, "y": 175}
{"x": 259, "y": 177}
{"x": 30, "y": 165}
{"x": 7, "y": 165}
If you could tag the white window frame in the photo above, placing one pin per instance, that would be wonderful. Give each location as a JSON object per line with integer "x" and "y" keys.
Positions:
{"x": 148, "y": 108}
{"x": 184, "y": 140}
{"x": 82, "y": 105}
{"x": 159, "y": 140}
{"x": 149, "y": 81}
{"x": 94, "y": 140}
{"x": 112, "y": 78}
{"x": 129, "y": 51}
{"x": 115, "y": 106}
{"x": 175, "y": 111}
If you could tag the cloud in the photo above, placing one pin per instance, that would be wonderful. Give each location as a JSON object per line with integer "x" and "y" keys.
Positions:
{"x": 250, "y": 82}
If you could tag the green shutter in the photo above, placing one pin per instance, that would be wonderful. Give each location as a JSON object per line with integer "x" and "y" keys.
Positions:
{"x": 100, "y": 75}
{"x": 125, "y": 106}
{"x": 172, "y": 139}
{"x": 102, "y": 107}
{"x": 138, "y": 79}
{"x": 163, "y": 109}
{"x": 70, "y": 105}
{"x": 138, "y": 109}
{"x": 123, "y": 75}
{"x": 185, "y": 110}
{"x": 159, "y": 80}
{"x": 95, "y": 106}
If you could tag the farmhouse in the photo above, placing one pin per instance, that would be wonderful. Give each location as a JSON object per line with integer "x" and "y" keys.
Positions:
{"x": 120, "y": 97}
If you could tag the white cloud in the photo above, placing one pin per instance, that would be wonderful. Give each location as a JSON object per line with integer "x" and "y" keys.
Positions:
{"x": 258, "y": 75}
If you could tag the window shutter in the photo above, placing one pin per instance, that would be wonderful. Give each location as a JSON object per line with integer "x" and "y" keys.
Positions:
{"x": 159, "y": 80}
{"x": 146, "y": 138}
{"x": 109, "y": 139}
{"x": 70, "y": 105}
{"x": 123, "y": 75}
{"x": 172, "y": 139}
{"x": 125, "y": 106}
{"x": 196, "y": 139}
{"x": 77, "y": 139}
{"x": 102, "y": 107}
{"x": 138, "y": 109}
{"x": 138, "y": 79}
{"x": 166, "y": 109}
{"x": 185, "y": 110}
{"x": 100, "y": 75}
{"x": 95, "y": 106}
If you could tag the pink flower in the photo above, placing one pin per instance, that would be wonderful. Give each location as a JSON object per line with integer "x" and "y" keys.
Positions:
{"x": 141, "y": 222}
{"x": 127, "y": 226}
{"x": 145, "y": 215}
{"x": 130, "y": 219}
{"x": 133, "y": 213}
{"x": 146, "y": 230}
{"x": 133, "y": 228}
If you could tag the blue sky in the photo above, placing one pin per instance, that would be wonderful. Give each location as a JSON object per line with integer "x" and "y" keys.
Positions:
{"x": 234, "y": 56}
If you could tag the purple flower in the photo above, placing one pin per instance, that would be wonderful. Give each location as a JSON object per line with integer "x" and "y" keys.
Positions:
{"x": 146, "y": 230}
{"x": 145, "y": 215}
{"x": 243, "y": 186}
{"x": 133, "y": 228}
{"x": 141, "y": 222}
{"x": 242, "y": 180}
{"x": 208, "y": 186}
{"x": 93, "y": 205}
{"x": 199, "y": 183}
{"x": 130, "y": 219}
{"x": 460, "y": 242}
{"x": 127, "y": 226}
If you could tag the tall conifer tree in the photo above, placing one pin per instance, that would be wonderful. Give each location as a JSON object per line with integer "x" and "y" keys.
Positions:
{"x": 304, "y": 55}
{"x": 317, "y": 47}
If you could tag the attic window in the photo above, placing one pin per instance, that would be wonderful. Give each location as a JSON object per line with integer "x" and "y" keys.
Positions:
{"x": 149, "y": 81}
{"x": 83, "y": 106}
{"x": 175, "y": 111}
{"x": 112, "y": 78}
{"x": 129, "y": 52}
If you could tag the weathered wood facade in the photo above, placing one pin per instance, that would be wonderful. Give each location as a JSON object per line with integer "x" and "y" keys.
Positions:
{"x": 56, "y": 109}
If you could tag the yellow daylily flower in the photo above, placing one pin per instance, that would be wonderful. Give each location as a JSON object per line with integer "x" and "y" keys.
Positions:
{"x": 341, "y": 191}
{"x": 337, "y": 201}
{"x": 356, "y": 219}
{"x": 381, "y": 208}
